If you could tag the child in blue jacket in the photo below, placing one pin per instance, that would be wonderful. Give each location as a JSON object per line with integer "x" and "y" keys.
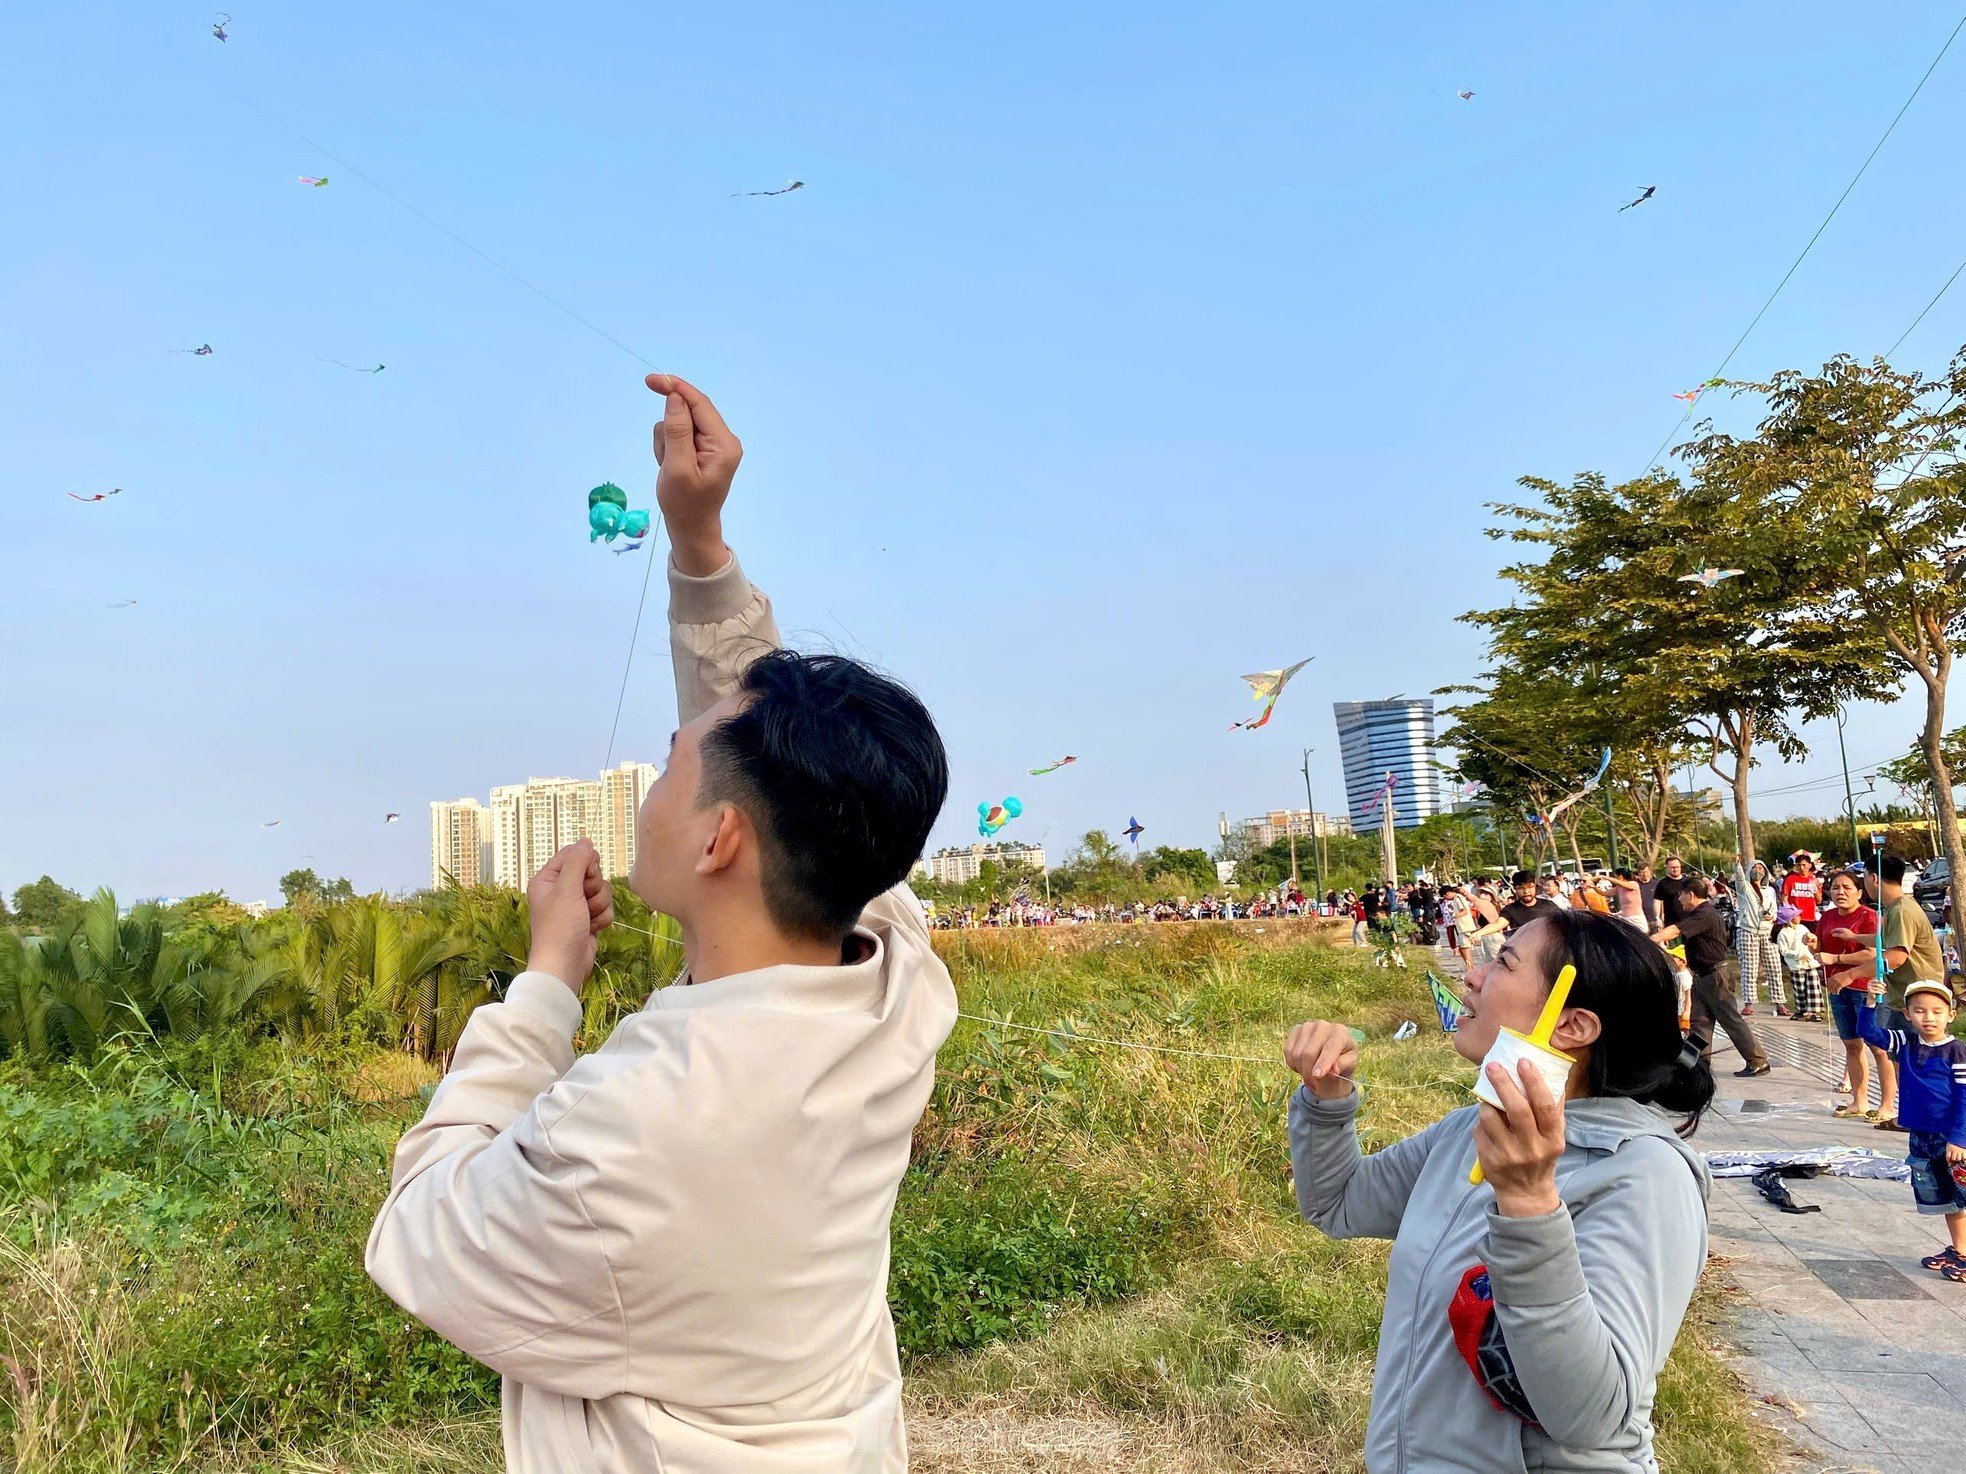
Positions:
{"x": 1932, "y": 1107}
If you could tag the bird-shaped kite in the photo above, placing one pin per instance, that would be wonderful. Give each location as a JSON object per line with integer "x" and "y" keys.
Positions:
{"x": 992, "y": 817}
{"x": 1267, "y": 686}
{"x": 627, "y": 547}
{"x": 310, "y": 179}
{"x": 122, "y": 604}
{"x": 1134, "y": 829}
{"x": 608, "y": 516}
{"x": 101, "y": 496}
{"x": 218, "y": 27}
{"x": 748, "y": 194}
{"x": 1063, "y": 762}
{"x": 1688, "y": 395}
{"x": 1707, "y": 577}
{"x": 1466, "y": 96}
{"x": 1650, "y": 190}
{"x": 270, "y": 824}
{"x": 391, "y": 818}
{"x": 203, "y": 350}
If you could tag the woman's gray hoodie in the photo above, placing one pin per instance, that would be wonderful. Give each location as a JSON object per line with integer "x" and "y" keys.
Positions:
{"x": 1588, "y": 1298}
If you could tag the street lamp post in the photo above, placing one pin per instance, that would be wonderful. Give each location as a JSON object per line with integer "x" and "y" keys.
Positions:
{"x": 1849, "y": 801}
{"x": 1317, "y": 838}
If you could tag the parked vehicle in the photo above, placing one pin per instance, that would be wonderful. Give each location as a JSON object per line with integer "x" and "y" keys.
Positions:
{"x": 1932, "y": 891}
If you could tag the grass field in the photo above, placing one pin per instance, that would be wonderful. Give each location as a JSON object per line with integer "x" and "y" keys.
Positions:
{"x": 1097, "y": 1260}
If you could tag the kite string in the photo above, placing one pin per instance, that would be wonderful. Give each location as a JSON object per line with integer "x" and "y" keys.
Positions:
{"x": 441, "y": 228}
{"x": 1797, "y": 263}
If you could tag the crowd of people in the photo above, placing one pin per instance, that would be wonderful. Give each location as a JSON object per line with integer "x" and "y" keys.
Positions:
{"x": 1023, "y": 911}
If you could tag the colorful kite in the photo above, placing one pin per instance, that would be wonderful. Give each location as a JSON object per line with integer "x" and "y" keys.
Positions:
{"x": 1650, "y": 190}
{"x": 1267, "y": 686}
{"x": 101, "y": 496}
{"x": 1134, "y": 829}
{"x": 1590, "y": 787}
{"x": 218, "y": 28}
{"x": 1707, "y": 577}
{"x": 749, "y": 194}
{"x": 608, "y": 516}
{"x": 1688, "y": 395}
{"x": 1446, "y": 1004}
{"x": 203, "y": 350}
{"x": 1063, "y": 762}
{"x": 992, "y": 817}
{"x": 353, "y": 368}
{"x": 310, "y": 179}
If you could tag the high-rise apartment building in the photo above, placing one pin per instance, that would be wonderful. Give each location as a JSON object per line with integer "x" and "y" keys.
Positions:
{"x": 457, "y": 841}
{"x": 1397, "y": 737}
{"x": 508, "y": 867}
{"x": 960, "y": 864}
{"x": 622, "y": 792}
{"x": 527, "y": 823}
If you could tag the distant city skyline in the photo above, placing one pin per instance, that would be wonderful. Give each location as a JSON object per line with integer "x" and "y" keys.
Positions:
{"x": 509, "y": 840}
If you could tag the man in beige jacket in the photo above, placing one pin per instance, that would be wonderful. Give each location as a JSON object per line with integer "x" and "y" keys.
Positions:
{"x": 675, "y": 1249}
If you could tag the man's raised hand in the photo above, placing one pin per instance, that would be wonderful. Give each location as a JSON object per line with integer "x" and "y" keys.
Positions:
{"x": 698, "y": 457}
{"x": 571, "y": 903}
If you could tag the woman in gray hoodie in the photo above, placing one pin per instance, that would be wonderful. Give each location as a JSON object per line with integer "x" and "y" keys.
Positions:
{"x": 1527, "y": 1317}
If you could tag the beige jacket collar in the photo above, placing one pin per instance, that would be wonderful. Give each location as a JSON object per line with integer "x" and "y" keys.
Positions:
{"x": 788, "y": 987}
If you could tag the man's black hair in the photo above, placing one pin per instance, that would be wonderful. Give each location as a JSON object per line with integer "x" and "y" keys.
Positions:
{"x": 1522, "y": 877}
{"x": 1891, "y": 870}
{"x": 841, "y": 772}
{"x": 1696, "y": 885}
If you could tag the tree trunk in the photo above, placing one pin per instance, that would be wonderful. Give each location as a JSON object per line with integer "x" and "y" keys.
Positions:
{"x": 1743, "y": 825}
{"x": 1932, "y": 741}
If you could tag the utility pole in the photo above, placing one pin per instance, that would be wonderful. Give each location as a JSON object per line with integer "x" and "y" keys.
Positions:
{"x": 1610, "y": 830}
{"x": 1317, "y": 832}
{"x": 1849, "y": 801}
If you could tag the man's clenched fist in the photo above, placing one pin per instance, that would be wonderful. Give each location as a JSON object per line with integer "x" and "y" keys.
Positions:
{"x": 698, "y": 457}
{"x": 571, "y": 903}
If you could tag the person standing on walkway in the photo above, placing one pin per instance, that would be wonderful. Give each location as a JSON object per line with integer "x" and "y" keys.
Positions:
{"x": 1794, "y": 944}
{"x": 1754, "y": 936}
{"x": 1844, "y": 934}
{"x": 1648, "y": 890}
{"x": 1911, "y": 954}
{"x": 1933, "y": 1065}
{"x": 1457, "y": 914}
{"x": 1527, "y": 1318}
{"x": 1669, "y": 894}
{"x": 1715, "y": 977}
{"x": 1802, "y": 888}
{"x": 1628, "y": 896}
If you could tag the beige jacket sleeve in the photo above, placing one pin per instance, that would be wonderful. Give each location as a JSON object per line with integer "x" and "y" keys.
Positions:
{"x": 484, "y": 1236}
{"x": 718, "y": 625}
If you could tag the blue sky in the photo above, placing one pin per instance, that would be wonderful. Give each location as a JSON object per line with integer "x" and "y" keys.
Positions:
{"x": 1110, "y": 351}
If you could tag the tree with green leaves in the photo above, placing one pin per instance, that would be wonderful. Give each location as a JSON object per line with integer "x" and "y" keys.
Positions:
{"x": 303, "y": 886}
{"x": 1734, "y": 667}
{"x": 45, "y": 905}
{"x": 1864, "y": 462}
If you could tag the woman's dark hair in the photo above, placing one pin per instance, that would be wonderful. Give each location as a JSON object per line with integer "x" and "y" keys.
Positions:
{"x": 841, "y": 771}
{"x": 1624, "y": 978}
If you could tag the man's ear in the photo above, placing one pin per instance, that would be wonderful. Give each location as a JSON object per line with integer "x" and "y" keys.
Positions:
{"x": 726, "y": 841}
{"x": 1577, "y": 1028}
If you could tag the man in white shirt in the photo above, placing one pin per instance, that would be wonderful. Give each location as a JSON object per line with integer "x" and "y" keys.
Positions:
{"x": 675, "y": 1249}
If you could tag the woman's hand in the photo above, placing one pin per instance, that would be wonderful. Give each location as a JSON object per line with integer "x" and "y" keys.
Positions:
{"x": 1324, "y": 1055}
{"x": 1955, "y": 1155}
{"x": 1518, "y": 1148}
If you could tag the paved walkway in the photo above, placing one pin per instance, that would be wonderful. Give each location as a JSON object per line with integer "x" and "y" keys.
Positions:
{"x": 1836, "y": 1321}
